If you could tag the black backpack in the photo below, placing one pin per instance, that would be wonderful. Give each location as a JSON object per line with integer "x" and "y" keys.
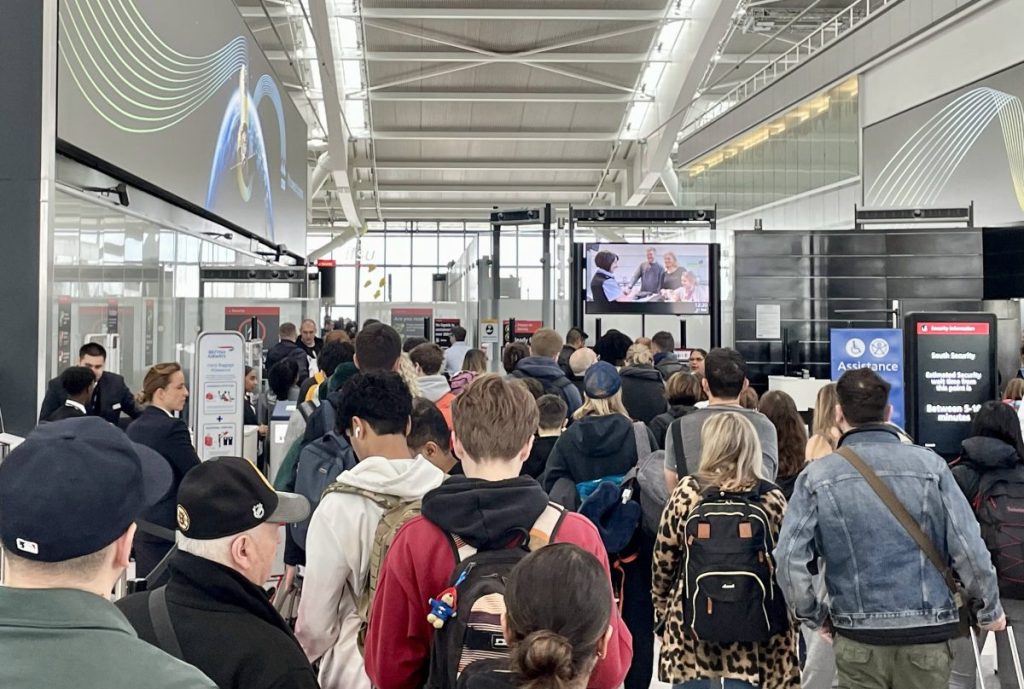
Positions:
{"x": 1000, "y": 509}
{"x": 474, "y": 633}
{"x": 731, "y": 593}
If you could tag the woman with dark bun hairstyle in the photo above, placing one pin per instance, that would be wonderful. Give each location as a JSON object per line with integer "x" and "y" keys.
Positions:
{"x": 555, "y": 640}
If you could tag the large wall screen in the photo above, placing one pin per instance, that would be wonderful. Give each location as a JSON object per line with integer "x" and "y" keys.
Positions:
{"x": 649, "y": 278}
{"x": 961, "y": 147}
{"x": 179, "y": 95}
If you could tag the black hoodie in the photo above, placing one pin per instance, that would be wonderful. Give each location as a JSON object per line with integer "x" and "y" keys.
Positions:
{"x": 978, "y": 456}
{"x": 592, "y": 448}
{"x": 643, "y": 392}
{"x": 486, "y": 514}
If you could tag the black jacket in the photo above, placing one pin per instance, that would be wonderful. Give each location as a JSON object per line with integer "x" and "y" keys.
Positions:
{"x": 660, "y": 423}
{"x": 65, "y": 412}
{"x": 286, "y": 349}
{"x": 978, "y": 456}
{"x": 643, "y": 392}
{"x": 313, "y": 351}
{"x": 168, "y": 436}
{"x": 538, "y": 459}
{"x": 110, "y": 398}
{"x": 592, "y": 448}
{"x": 226, "y": 627}
{"x": 668, "y": 364}
{"x": 563, "y": 360}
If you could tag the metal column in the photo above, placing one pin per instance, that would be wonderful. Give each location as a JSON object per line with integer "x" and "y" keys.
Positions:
{"x": 547, "y": 309}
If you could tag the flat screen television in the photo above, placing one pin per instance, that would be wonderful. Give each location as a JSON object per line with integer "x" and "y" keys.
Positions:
{"x": 651, "y": 278}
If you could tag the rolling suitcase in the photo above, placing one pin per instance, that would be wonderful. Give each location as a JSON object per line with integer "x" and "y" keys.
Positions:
{"x": 1013, "y": 650}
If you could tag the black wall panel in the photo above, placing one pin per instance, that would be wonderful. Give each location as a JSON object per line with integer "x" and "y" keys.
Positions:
{"x": 845, "y": 279}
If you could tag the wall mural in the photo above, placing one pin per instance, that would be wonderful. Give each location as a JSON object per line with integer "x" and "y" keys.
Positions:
{"x": 189, "y": 121}
{"x": 962, "y": 147}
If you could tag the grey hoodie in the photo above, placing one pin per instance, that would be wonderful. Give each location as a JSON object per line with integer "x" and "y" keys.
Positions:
{"x": 434, "y": 387}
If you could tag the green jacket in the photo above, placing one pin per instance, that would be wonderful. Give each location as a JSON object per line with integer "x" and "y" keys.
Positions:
{"x": 68, "y": 639}
{"x": 338, "y": 378}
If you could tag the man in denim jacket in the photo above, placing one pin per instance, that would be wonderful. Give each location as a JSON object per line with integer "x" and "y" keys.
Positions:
{"x": 890, "y": 610}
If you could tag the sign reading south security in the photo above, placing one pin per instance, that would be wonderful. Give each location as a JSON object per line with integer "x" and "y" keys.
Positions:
{"x": 878, "y": 349}
{"x": 217, "y": 394}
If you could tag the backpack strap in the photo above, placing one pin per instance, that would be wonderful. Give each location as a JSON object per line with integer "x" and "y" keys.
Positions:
{"x": 643, "y": 441}
{"x": 160, "y": 617}
{"x": 385, "y": 502}
{"x": 561, "y": 383}
{"x": 676, "y": 429}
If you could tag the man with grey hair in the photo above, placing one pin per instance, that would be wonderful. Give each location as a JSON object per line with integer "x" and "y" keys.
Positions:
{"x": 308, "y": 341}
{"x": 229, "y": 526}
{"x": 649, "y": 273}
{"x": 69, "y": 498}
{"x": 582, "y": 359}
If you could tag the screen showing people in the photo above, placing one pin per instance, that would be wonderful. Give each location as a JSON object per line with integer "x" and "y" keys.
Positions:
{"x": 648, "y": 278}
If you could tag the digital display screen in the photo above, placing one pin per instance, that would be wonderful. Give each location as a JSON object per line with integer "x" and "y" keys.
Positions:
{"x": 954, "y": 373}
{"x": 649, "y": 278}
{"x": 180, "y": 95}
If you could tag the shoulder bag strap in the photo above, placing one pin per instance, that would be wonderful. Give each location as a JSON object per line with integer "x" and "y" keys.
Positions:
{"x": 904, "y": 518}
{"x": 152, "y": 529}
{"x": 160, "y": 617}
{"x": 677, "y": 445}
{"x": 643, "y": 441}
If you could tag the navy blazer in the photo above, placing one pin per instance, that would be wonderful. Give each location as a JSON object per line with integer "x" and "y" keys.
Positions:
{"x": 110, "y": 398}
{"x": 169, "y": 436}
{"x": 65, "y": 412}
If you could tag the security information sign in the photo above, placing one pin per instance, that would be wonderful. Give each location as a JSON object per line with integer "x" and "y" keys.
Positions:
{"x": 218, "y": 387}
{"x": 951, "y": 373}
{"x": 879, "y": 349}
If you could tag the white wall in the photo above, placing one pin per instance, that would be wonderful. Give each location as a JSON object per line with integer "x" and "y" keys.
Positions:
{"x": 828, "y": 208}
{"x": 976, "y": 45}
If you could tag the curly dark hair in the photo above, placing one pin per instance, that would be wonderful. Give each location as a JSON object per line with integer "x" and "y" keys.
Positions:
{"x": 380, "y": 398}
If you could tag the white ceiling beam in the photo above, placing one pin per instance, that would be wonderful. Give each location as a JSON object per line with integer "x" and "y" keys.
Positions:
{"x": 540, "y": 188}
{"x": 339, "y": 240}
{"x": 480, "y": 135}
{"x": 693, "y": 51}
{"x": 445, "y": 56}
{"x": 496, "y": 165}
{"x": 257, "y": 12}
{"x": 503, "y": 97}
{"x": 512, "y": 13}
{"x": 334, "y": 100}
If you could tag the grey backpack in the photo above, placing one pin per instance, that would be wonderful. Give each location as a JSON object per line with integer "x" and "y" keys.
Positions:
{"x": 650, "y": 476}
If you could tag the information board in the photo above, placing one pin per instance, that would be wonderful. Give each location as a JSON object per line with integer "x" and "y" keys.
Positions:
{"x": 218, "y": 389}
{"x": 412, "y": 322}
{"x": 951, "y": 372}
{"x": 879, "y": 349}
{"x": 524, "y": 330}
{"x": 268, "y": 322}
{"x": 488, "y": 331}
{"x": 443, "y": 331}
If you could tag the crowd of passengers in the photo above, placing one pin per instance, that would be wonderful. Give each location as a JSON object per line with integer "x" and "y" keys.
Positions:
{"x": 597, "y": 517}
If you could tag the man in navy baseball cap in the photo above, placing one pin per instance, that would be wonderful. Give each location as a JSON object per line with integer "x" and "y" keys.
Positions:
{"x": 69, "y": 497}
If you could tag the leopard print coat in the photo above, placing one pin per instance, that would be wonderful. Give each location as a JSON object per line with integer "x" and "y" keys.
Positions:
{"x": 772, "y": 665}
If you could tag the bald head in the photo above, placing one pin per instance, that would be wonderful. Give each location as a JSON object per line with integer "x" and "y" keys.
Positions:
{"x": 307, "y": 331}
{"x": 581, "y": 360}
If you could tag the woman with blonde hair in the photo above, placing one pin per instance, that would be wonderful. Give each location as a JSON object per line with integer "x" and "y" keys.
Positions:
{"x": 163, "y": 394}
{"x": 599, "y": 446}
{"x": 730, "y": 470}
{"x": 643, "y": 388}
{"x": 825, "y": 431}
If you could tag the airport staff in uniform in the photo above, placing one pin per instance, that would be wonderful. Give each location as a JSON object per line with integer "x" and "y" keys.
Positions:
{"x": 110, "y": 397}
{"x": 68, "y": 498}
{"x": 214, "y": 613}
{"x": 78, "y": 383}
{"x": 163, "y": 393}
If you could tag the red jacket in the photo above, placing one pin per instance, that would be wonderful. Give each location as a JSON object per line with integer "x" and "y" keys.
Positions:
{"x": 417, "y": 567}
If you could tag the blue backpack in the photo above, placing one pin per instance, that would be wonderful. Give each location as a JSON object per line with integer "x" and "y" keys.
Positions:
{"x": 320, "y": 463}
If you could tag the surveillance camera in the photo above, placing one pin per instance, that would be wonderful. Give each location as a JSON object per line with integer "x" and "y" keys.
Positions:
{"x": 122, "y": 194}
{"x": 601, "y": 215}
{"x": 251, "y": 274}
{"x": 290, "y": 274}
{"x": 275, "y": 274}
{"x": 701, "y": 215}
{"x": 918, "y": 212}
{"x": 501, "y": 216}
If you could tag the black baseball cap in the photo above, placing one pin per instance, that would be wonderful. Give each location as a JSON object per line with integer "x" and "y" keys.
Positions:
{"x": 74, "y": 487}
{"x": 229, "y": 495}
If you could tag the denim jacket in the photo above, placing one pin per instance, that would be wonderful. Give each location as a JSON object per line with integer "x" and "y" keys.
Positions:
{"x": 876, "y": 575}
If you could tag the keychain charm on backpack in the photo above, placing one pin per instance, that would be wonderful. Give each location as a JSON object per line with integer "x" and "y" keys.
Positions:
{"x": 443, "y": 608}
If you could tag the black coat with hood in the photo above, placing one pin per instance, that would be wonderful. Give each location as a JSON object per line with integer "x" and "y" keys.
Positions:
{"x": 592, "y": 448}
{"x": 660, "y": 423}
{"x": 643, "y": 392}
{"x": 981, "y": 455}
{"x": 226, "y": 627}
